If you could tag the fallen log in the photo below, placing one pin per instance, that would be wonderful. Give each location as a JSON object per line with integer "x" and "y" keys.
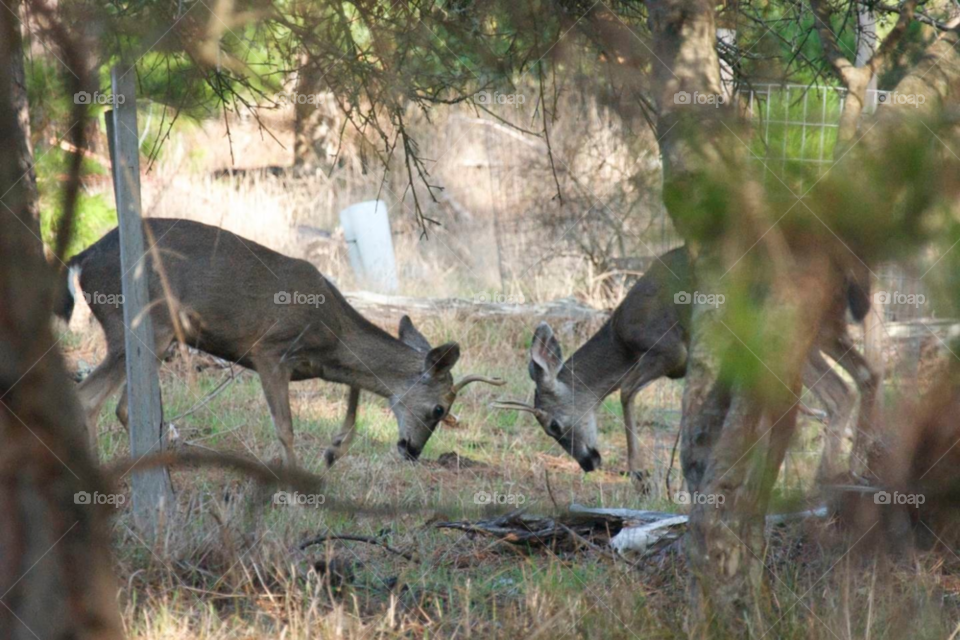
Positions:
{"x": 626, "y": 531}
{"x": 379, "y": 305}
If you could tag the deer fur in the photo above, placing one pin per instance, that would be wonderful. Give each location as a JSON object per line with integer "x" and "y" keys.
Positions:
{"x": 227, "y": 295}
{"x": 645, "y": 339}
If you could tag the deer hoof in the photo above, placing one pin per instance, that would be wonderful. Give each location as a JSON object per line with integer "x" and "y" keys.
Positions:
{"x": 330, "y": 455}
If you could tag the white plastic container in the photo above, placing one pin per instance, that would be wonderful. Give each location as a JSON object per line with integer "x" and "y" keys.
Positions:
{"x": 366, "y": 228}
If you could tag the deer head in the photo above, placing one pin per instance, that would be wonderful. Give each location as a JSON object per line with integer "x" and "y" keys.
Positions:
{"x": 427, "y": 400}
{"x": 567, "y": 414}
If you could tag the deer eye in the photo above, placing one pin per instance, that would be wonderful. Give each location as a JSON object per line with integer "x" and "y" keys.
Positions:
{"x": 555, "y": 427}
{"x": 438, "y": 412}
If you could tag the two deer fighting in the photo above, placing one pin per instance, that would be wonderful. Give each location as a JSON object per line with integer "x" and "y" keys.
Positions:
{"x": 229, "y": 297}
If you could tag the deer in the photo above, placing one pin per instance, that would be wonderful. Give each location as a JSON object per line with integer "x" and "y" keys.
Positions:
{"x": 278, "y": 316}
{"x": 646, "y": 339}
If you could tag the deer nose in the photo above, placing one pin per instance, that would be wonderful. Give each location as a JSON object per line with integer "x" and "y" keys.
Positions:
{"x": 408, "y": 451}
{"x": 591, "y": 461}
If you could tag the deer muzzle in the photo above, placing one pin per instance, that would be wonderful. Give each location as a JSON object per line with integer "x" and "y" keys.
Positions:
{"x": 407, "y": 450}
{"x": 591, "y": 461}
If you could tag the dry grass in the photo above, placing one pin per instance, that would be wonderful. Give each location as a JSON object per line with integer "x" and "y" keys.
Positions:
{"x": 229, "y": 566}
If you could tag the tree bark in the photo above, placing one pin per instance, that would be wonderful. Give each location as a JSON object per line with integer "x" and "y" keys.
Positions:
{"x": 855, "y": 77}
{"x": 737, "y": 420}
{"x": 723, "y": 552}
{"x": 12, "y": 44}
{"x": 55, "y": 568}
{"x": 317, "y": 121}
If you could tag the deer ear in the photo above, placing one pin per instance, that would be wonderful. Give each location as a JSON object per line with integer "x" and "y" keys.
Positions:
{"x": 441, "y": 359}
{"x": 411, "y": 337}
{"x": 546, "y": 357}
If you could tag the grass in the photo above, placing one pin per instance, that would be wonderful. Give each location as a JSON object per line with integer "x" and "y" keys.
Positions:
{"x": 229, "y": 566}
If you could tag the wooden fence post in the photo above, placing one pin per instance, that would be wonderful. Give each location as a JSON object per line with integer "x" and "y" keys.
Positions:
{"x": 152, "y": 490}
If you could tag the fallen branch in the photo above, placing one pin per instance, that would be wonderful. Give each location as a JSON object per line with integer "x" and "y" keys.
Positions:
{"x": 519, "y": 528}
{"x": 626, "y": 531}
{"x": 352, "y": 538}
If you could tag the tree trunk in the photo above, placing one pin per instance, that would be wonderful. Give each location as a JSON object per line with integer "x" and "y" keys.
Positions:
{"x": 737, "y": 422}
{"x": 55, "y": 567}
{"x": 12, "y": 41}
{"x": 720, "y": 588}
{"x": 317, "y": 122}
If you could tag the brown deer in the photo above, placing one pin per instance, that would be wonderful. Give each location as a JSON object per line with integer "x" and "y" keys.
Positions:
{"x": 239, "y": 301}
{"x": 646, "y": 339}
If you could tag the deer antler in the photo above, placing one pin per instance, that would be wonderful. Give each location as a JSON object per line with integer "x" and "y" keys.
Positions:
{"x": 516, "y": 405}
{"x": 475, "y": 378}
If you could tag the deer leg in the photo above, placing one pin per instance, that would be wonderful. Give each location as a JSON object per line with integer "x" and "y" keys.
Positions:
{"x": 97, "y": 387}
{"x": 343, "y": 439}
{"x": 822, "y": 381}
{"x": 633, "y": 445}
{"x": 123, "y": 415}
{"x": 276, "y": 388}
{"x": 162, "y": 343}
{"x": 633, "y": 385}
{"x": 867, "y": 446}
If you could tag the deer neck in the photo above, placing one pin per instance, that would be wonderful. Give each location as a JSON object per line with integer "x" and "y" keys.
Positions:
{"x": 599, "y": 367}
{"x": 373, "y": 360}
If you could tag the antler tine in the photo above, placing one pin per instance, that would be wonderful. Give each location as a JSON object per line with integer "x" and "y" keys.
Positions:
{"x": 497, "y": 382}
{"x": 516, "y": 405}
